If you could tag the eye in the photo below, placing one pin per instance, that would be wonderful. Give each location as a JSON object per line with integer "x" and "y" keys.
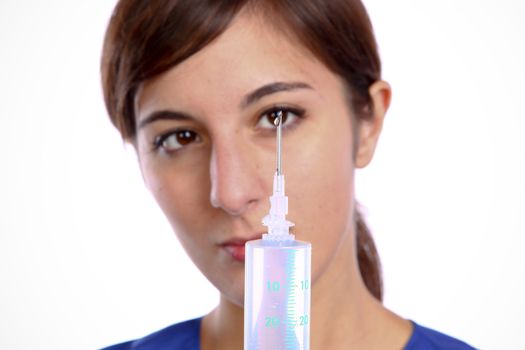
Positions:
{"x": 173, "y": 141}
{"x": 290, "y": 116}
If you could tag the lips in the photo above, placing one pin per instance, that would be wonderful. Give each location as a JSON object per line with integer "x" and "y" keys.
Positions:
{"x": 235, "y": 248}
{"x": 236, "y": 251}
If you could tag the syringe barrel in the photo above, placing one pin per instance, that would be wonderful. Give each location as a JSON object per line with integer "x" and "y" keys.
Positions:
{"x": 277, "y": 295}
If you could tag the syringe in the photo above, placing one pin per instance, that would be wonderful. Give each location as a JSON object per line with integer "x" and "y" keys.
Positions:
{"x": 277, "y": 277}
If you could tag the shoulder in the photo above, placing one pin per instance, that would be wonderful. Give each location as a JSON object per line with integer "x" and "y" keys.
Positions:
{"x": 183, "y": 335}
{"x": 428, "y": 339}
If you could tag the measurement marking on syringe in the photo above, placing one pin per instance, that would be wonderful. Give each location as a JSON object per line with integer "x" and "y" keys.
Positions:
{"x": 290, "y": 339}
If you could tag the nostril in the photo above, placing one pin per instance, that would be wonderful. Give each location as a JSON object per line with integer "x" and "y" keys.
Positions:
{"x": 234, "y": 194}
{"x": 214, "y": 200}
{"x": 234, "y": 202}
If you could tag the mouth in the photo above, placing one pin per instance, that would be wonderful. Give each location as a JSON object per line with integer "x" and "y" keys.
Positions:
{"x": 235, "y": 247}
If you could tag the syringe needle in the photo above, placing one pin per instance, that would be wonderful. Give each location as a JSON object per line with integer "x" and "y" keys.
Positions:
{"x": 278, "y": 123}
{"x": 276, "y": 221}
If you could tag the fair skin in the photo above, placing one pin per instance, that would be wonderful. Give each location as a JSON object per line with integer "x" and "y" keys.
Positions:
{"x": 213, "y": 178}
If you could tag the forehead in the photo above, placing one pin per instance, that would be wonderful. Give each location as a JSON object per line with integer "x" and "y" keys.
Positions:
{"x": 249, "y": 54}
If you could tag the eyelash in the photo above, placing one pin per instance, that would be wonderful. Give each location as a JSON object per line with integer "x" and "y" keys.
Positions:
{"x": 297, "y": 112}
{"x": 158, "y": 142}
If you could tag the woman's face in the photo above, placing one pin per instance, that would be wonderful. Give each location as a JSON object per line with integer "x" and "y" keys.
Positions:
{"x": 206, "y": 145}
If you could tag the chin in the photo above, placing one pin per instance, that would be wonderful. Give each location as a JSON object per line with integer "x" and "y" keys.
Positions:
{"x": 232, "y": 288}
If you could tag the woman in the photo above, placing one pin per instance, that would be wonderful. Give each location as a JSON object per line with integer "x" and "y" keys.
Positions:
{"x": 195, "y": 86}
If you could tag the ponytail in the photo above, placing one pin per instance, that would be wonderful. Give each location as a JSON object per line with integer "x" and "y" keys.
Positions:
{"x": 368, "y": 258}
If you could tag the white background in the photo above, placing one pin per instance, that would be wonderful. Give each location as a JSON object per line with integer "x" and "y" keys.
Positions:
{"x": 87, "y": 259}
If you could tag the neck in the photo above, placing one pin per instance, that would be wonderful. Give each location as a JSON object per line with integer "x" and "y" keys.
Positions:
{"x": 343, "y": 309}
{"x": 223, "y": 327}
{"x": 345, "y": 315}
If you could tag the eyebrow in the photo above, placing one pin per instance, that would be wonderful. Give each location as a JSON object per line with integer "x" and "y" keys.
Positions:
{"x": 249, "y": 99}
{"x": 163, "y": 115}
{"x": 272, "y": 88}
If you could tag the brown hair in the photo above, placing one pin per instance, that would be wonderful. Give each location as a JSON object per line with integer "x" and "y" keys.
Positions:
{"x": 148, "y": 37}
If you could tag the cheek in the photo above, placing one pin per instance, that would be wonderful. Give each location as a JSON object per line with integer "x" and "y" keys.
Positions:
{"x": 321, "y": 192}
{"x": 180, "y": 194}
{"x": 184, "y": 199}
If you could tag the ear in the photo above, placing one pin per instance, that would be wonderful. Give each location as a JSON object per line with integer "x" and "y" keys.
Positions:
{"x": 370, "y": 129}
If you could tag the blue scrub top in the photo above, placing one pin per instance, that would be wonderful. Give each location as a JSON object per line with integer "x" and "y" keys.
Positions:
{"x": 186, "y": 335}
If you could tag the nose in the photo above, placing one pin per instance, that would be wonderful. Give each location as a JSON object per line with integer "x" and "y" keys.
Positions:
{"x": 235, "y": 183}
